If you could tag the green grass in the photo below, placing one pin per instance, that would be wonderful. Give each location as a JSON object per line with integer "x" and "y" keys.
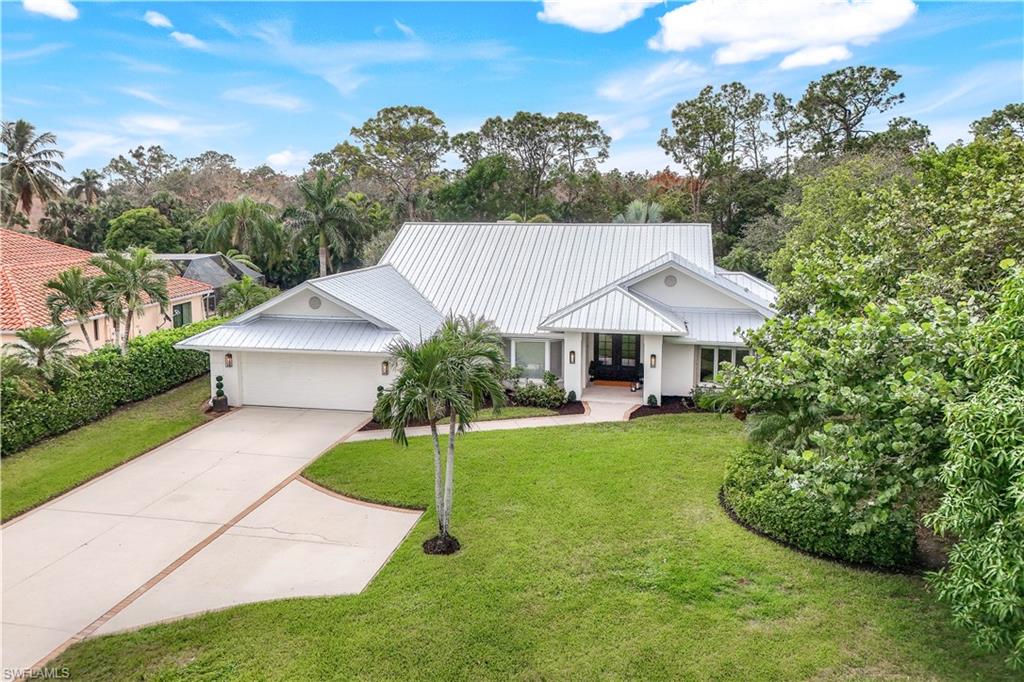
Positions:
{"x": 42, "y": 472}
{"x": 514, "y": 412}
{"x": 589, "y": 552}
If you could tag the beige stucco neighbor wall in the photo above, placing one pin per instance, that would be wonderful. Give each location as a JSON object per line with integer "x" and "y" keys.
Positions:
{"x": 101, "y": 331}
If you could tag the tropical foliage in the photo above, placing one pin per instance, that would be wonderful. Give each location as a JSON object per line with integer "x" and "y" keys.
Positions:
{"x": 243, "y": 295}
{"x": 129, "y": 282}
{"x": 47, "y": 349}
{"x": 30, "y": 167}
{"x": 75, "y": 294}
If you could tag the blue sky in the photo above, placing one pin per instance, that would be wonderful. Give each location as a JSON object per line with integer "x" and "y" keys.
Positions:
{"x": 276, "y": 82}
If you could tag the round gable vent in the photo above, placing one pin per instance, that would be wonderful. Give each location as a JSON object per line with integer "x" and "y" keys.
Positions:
{"x": 315, "y": 302}
{"x": 670, "y": 280}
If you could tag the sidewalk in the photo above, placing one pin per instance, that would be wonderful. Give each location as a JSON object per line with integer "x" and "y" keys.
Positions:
{"x": 597, "y": 411}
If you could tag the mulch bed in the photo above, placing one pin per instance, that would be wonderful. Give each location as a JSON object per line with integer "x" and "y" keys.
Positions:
{"x": 914, "y": 570}
{"x": 575, "y": 407}
{"x": 669, "y": 405}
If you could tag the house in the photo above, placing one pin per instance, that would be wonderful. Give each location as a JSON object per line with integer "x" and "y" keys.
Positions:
{"x": 617, "y": 302}
{"x": 215, "y": 269}
{"x": 27, "y": 263}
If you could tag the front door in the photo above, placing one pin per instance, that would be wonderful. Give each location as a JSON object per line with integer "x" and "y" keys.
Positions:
{"x": 616, "y": 357}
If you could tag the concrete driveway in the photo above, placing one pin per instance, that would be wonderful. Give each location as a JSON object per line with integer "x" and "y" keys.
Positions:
{"x": 214, "y": 518}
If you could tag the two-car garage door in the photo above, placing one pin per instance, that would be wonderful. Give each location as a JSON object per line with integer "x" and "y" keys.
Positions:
{"x": 325, "y": 381}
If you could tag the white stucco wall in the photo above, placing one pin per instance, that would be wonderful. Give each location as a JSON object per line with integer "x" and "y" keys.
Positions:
{"x": 678, "y": 376}
{"x": 688, "y": 292}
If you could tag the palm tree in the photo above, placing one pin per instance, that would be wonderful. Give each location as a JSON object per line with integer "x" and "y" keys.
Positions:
{"x": 639, "y": 211}
{"x": 88, "y": 185}
{"x": 324, "y": 216}
{"x": 243, "y": 295}
{"x": 243, "y": 258}
{"x": 129, "y": 282}
{"x": 73, "y": 293}
{"x": 48, "y": 349}
{"x": 247, "y": 225}
{"x": 30, "y": 165}
{"x": 448, "y": 376}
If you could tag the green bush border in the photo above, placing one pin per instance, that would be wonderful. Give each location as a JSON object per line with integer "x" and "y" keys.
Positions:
{"x": 106, "y": 380}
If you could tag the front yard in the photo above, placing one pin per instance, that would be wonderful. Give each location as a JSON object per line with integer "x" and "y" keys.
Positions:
{"x": 589, "y": 552}
{"x": 35, "y": 475}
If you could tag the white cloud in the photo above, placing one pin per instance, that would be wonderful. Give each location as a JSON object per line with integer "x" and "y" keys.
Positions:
{"x": 265, "y": 96}
{"x": 407, "y": 30}
{"x": 803, "y": 29}
{"x": 145, "y": 95}
{"x": 157, "y": 20}
{"x": 79, "y": 143}
{"x": 188, "y": 40}
{"x": 815, "y": 56}
{"x": 58, "y": 9}
{"x": 142, "y": 66}
{"x": 33, "y": 52}
{"x": 596, "y": 16}
{"x": 289, "y": 161}
{"x": 653, "y": 83}
{"x": 150, "y": 124}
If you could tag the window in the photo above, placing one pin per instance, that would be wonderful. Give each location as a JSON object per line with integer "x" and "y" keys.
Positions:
{"x": 96, "y": 329}
{"x": 604, "y": 349}
{"x": 182, "y": 314}
{"x": 711, "y": 360}
{"x": 630, "y": 351}
{"x": 530, "y": 357}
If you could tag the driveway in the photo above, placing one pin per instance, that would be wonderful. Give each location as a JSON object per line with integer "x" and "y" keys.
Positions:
{"x": 214, "y": 518}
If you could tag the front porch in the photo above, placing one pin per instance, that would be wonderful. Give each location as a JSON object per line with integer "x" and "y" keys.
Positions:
{"x": 607, "y": 365}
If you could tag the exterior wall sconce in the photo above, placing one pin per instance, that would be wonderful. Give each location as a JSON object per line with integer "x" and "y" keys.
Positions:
{"x": 385, "y": 368}
{"x": 572, "y": 357}
{"x": 229, "y": 361}
{"x": 654, "y": 360}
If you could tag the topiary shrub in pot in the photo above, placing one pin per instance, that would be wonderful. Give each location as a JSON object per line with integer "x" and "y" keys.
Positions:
{"x": 652, "y": 400}
{"x": 220, "y": 401}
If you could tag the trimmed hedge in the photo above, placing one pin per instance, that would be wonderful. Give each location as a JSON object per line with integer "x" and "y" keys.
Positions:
{"x": 759, "y": 493}
{"x": 106, "y": 380}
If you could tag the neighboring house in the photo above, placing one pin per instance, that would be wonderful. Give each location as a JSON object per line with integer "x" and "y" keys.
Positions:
{"x": 27, "y": 263}
{"x": 214, "y": 269}
{"x": 618, "y": 302}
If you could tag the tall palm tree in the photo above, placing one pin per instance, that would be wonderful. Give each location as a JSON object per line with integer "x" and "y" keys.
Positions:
{"x": 73, "y": 293}
{"x": 129, "y": 282}
{"x": 87, "y": 185}
{"x": 325, "y": 216}
{"x": 31, "y": 167}
{"x": 639, "y": 211}
{"x": 247, "y": 225}
{"x": 449, "y": 377}
{"x": 48, "y": 349}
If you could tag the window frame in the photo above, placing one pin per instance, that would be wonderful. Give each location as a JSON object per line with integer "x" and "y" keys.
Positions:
{"x": 717, "y": 360}
{"x": 514, "y": 359}
{"x": 179, "y": 320}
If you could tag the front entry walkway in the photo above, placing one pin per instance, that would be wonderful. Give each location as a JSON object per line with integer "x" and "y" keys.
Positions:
{"x": 214, "y": 518}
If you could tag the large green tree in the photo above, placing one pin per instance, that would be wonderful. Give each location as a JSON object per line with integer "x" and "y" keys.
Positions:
{"x": 130, "y": 281}
{"x": 143, "y": 227}
{"x": 30, "y": 169}
{"x": 401, "y": 147}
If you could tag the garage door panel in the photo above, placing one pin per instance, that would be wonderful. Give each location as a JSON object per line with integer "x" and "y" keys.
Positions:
{"x": 336, "y": 382}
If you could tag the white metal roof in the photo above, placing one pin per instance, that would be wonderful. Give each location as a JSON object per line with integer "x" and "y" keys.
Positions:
{"x": 717, "y": 327}
{"x": 517, "y": 274}
{"x": 756, "y": 286}
{"x": 382, "y": 294}
{"x": 294, "y": 334}
{"x": 616, "y": 310}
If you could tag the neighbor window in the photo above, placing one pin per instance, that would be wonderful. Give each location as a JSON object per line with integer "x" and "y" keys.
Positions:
{"x": 182, "y": 314}
{"x": 711, "y": 360}
{"x": 96, "y": 329}
{"x": 530, "y": 357}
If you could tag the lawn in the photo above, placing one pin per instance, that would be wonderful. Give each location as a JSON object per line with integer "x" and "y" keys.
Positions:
{"x": 42, "y": 472}
{"x": 593, "y": 551}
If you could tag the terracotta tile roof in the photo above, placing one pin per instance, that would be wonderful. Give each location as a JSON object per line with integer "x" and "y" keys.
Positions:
{"x": 27, "y": 263}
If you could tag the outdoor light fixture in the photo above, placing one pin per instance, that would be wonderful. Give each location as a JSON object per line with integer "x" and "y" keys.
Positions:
{"x": 228, "y": 360}
{"x": 384, "y": 368}
{"x": 654, "y": 360}
{"x": 572, "y": 357}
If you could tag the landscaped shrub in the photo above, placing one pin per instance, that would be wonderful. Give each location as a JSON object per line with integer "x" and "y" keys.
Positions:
{"x": 106, "y": 379}
{"x": 530, "y": 394}
{"x": 766, "y": 497}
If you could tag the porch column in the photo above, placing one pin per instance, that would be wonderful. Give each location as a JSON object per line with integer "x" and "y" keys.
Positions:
{"x": 652, "y": 375}
{"x": 572, "y": 363}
